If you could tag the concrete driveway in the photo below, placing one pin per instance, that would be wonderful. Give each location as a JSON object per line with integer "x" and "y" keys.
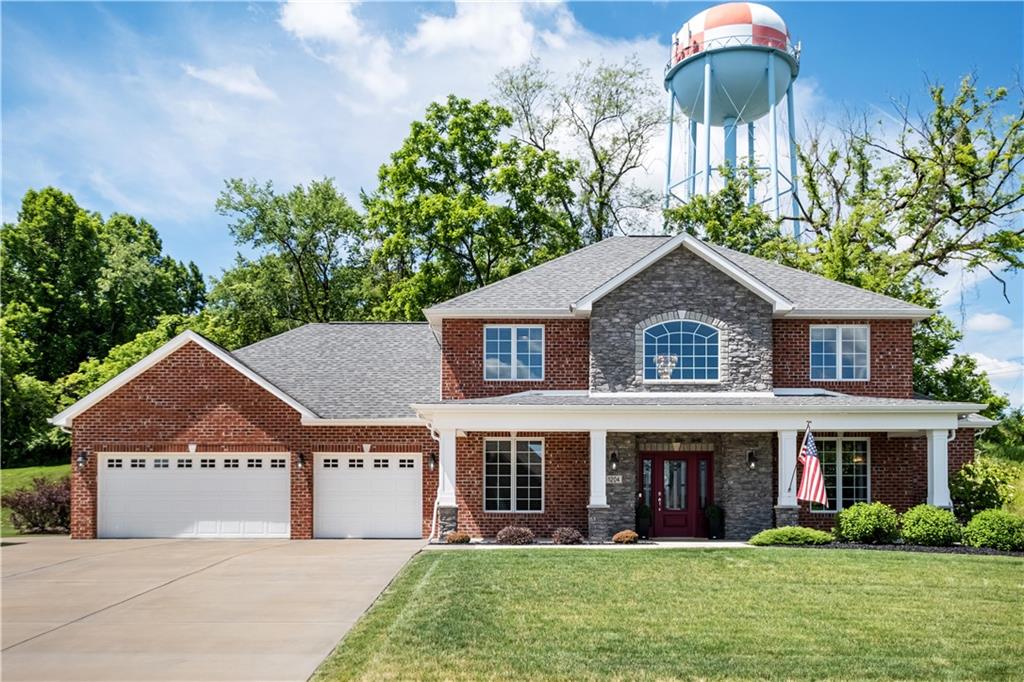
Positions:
{"x": 184, "y": 609}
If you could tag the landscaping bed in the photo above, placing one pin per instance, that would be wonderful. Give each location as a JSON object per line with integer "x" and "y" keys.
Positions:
{"x": 955, "y": 549}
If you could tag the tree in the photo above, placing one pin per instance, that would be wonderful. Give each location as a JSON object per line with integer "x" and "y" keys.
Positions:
{"x": 1006, "y": 440}
{"x": 308, "y": 267}
{"x": 608, "y": 115}
{"x": 892, "y": 219}
{"x": 457, "y": 208}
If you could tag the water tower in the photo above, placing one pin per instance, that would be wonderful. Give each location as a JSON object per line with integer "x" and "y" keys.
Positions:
{"x": 730, "y": 66}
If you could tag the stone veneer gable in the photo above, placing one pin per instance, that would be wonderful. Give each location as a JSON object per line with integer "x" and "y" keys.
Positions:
{"x": 681, "y": 284}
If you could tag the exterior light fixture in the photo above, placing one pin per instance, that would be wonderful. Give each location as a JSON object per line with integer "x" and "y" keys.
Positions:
{"x": 614, "y": 460}
{"x": 192, "y": 447}
{"x": 433, "y": 462}
{"x": 366, "y": 447}
{"x": 82, "y": 458}
{"x": 301, "y": 462}
{"x": 752, "y": 459}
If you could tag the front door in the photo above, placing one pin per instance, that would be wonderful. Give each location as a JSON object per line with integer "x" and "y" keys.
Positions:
{"x": 677, "y": 486}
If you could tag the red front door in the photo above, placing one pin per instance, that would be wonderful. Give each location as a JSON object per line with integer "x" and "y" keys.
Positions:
{"x": 677, "y": 486}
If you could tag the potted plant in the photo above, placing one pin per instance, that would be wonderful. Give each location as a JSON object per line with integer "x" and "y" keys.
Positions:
{"x": 716, "y": 521}
{"x": 643, "y": 520}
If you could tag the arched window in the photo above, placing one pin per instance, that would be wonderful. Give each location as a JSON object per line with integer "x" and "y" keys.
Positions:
{"x": 681, "y": 350}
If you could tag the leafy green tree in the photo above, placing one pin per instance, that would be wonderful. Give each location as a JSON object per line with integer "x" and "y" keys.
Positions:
{"x": 1006, "y": 440}
{"x": 605, "y": 117}
{"x": 457, "y": 208}
{"x": 308, "y": 266}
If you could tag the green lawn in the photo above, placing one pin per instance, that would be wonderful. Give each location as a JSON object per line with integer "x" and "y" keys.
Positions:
{"x": 667, "y": 614}
{"x": 12, "y": 479}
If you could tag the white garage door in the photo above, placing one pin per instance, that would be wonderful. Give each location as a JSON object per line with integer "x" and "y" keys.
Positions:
{"x": 188, "y": 495}
{"x": 368, "y": 496}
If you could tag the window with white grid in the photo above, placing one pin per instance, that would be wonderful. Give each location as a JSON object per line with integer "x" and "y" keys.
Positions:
{"x": 138, "y": 464}
{"x": 114, "y": 464}
{"x": 514, "y": 353}
{"x": 513, "y": 475}
{"x": 254, "y": 464}
{"x": 161, "y": 463}
{"x": 840, "y": 353}
{"x": 681, "y": 350}
{"x": 845, "y": 466}
{"x": 184, "y": 463}
{"x": 277, "y": 464}
{"x": 231, "y": 464}
{"x": 207, "y": 463}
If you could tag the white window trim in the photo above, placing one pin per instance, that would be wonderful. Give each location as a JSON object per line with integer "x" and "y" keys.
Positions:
{"x": 643, "y": 358}
{"x": 515, "y": 365}
{"x": 543, "y": 481}
{"x": 839, "y": 440}
{"x": 839, "y": 351}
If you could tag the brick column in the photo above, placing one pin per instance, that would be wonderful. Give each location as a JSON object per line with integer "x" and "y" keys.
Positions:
{"x": 83, "y": 495}
{"x": 302, "y": 495}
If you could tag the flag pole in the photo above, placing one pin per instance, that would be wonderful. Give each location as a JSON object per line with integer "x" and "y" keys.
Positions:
{"x": 797, "y": 461}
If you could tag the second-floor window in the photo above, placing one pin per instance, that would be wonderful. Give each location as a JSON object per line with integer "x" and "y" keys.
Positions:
{"x": 513, "y": 352}
{"x": 681, "y": 350}
{"x": 839, "y": 353}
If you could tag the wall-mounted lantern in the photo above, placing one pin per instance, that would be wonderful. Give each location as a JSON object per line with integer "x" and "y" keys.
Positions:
{"x": 613, "y": 461}
{"x": 301, "y": 462}
{"x": 752, "y": 459}
{"x": 433, "y": 462}
{"x": 83, "y": 457}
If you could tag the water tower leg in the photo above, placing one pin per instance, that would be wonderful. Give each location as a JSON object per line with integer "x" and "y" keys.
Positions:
{"x": 773, "y": 139}
{"x": 707, "y": 125}
{"x": 792, "y": 161}
{"x": 730, "y": 142}
{"x": 752, "y": 162}
{"x": 691, "y": 161}
{"x": 668, "y": 155}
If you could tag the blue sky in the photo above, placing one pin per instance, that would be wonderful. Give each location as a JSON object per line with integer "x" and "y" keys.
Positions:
{"x": 145, "y": 108}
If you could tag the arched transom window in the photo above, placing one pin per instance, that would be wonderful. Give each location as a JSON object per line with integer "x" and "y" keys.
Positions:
{"x": 681, "y": 350}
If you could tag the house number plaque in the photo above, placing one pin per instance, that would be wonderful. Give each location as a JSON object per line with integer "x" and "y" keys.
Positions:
{"x": 617, "y": 478}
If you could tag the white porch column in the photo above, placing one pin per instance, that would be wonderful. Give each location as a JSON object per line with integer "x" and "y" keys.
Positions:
{"x": 787, "y": 464}
{"x": 598, "y": 450}
{"x": 938, "y": 468}
{"x": 446, "y": 468}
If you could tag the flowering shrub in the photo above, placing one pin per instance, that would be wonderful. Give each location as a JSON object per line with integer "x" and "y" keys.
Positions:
{"x": 45, "y": 507}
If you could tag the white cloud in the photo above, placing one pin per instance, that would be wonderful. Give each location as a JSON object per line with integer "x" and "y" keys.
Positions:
{"x": 997, "y": 368}
{"x": 988, "y": 322}
{"x": 500, "y": 30}
{"x": 334, "y": 22}
{"x": 236, "y": 80}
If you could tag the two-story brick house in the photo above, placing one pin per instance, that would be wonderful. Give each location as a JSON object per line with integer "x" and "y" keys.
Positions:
{"x": 652, "y": 370}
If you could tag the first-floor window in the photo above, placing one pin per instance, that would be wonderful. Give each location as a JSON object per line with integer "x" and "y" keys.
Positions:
{"x": 844, "y": 465}
{"x": 513, "y": 475}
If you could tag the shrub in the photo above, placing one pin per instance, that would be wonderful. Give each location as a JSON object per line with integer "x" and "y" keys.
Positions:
{"x": 567, "y": 536}
{"x": 873, "y": 523}
{"x": 45, "y": 507}
{"x": 791, "y": 535}
{"x": 928, "y": 525}
{"x": 515, "y": 535}
{"x": 997, "y": 529}
{"x": 457, "y": 537}
{"x": 625, "y": 537}
{"x": 982, "y": 484}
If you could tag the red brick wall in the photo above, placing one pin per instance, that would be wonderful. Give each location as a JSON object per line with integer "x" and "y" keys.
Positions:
{"x": 193, "y": 397}
{"x": 891, "y": 351}
{"x": 566, "y": 358}
{"x": 899, "y": 471}
{"x": 566, "y": 485}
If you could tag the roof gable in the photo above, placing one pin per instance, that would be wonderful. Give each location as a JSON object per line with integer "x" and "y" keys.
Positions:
{"x": 66, "y": 417}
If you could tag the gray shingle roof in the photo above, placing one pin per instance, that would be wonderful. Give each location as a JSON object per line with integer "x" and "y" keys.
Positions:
{"x": 352, "y": 370}
{"x": 558, "y": 284}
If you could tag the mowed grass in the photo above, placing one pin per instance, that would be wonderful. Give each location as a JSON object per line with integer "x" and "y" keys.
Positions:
{"x": 13, "y": 479}
{"x": 770, "y": 613}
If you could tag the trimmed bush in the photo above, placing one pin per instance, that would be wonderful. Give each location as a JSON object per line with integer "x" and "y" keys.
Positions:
{"x": 996, "y": 529}
{"x": 567, "y": 536}
{"x": 45, "y": 507}
{"x": 791, "y": 535}
{"x": 982, "y": 484}
{"x": 625, "y": 537}
{"x": 457, "y": 537}
{"x": 874, "y": 523}
{"x": 930, "y": 526}
{"x": 515, "y": 535}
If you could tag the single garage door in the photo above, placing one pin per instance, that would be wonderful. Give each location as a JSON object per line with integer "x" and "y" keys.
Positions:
{"x": 189, "y": 495}
{"x": 368, "y": 496}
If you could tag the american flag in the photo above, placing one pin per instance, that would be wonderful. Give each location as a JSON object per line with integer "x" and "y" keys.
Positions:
{"x": 812, "y": 483}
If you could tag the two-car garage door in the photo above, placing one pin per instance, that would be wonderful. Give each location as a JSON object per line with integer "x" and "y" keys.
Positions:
{"x": 187, "y": 495}
{"x": 201, "y": 495}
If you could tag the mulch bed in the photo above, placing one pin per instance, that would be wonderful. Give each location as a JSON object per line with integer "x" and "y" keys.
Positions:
{"x": 956, "y": 549}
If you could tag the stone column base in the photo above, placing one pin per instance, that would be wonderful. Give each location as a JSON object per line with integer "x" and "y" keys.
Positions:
{"x": 787, "y": 516}
{"x": 447, "y": 520}
{"x": 599, "y": 524}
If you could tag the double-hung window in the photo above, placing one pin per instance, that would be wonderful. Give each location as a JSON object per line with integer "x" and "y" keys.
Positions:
{"x": 513, "y": 352}
{"x": 840, "y": 353}
{"x": 514, "y": 475}
{"x": 845, "y": 467}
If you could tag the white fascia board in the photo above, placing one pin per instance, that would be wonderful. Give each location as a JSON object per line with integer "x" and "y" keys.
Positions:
{"x": 367, "y": 421}
{"x": 710, "y": 419}
{"x": 65, "y": 418}
{"x": 435, "y": 316}
{"x": 865, "y": 314}
{"x": 779, "y": 303}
